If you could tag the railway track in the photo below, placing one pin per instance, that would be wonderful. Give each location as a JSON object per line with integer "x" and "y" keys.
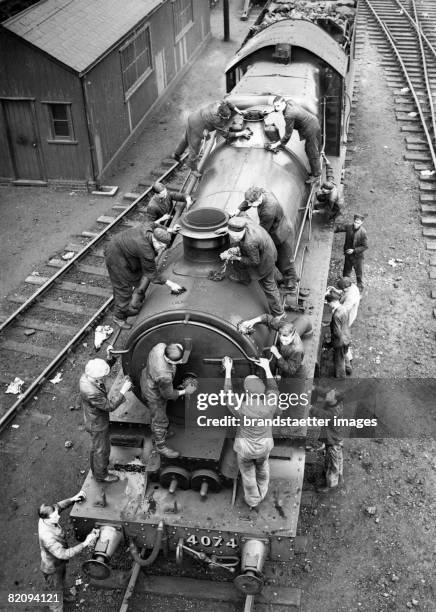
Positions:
{"x": 405, "y": 32}
{"x": 51, "y": 321}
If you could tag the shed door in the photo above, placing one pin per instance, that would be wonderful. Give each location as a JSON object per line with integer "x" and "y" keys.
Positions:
{"x": 20, "y": 123}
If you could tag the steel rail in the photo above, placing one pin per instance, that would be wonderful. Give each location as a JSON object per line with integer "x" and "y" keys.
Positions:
{"x": 41, "y": 379}
{"x": 55, "y": 362}
{"x": 408, "y": 79}
{"x": 86, "y": 249}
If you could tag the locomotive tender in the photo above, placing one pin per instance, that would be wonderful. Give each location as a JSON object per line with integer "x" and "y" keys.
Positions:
{"x": 193, "y": 507}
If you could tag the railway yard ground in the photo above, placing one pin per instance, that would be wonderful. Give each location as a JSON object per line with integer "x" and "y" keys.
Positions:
{"x": 371, "y": 545}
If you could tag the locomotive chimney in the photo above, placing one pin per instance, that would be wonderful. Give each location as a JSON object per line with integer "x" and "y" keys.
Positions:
{"x": 201, "y": 243}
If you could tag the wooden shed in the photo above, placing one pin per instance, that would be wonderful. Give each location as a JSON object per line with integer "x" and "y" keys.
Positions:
{"x": 78, "y": 78}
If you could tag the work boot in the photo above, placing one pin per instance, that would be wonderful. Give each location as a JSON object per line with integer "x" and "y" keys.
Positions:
{"x": 122, "y": 323}
{"x": 166, "y": 451}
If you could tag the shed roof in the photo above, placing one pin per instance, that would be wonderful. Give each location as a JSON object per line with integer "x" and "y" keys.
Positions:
{"x": 78, "y": 32}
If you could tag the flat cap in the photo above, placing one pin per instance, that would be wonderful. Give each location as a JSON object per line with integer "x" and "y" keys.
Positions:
{"x": 335, "y": 293}
{"x": 158, "y": 187}
{"x": 162, "y": 235}
{"x": 97, "y": 368}
{"x": 359, "y": 216}
{"x": 237, "y": 224}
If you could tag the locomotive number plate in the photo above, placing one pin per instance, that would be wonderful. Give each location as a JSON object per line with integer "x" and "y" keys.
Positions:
{"x": 207, "y": 541}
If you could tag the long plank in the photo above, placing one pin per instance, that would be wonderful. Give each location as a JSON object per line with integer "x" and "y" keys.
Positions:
{"x": 55, "y": 305}
{"x": 30, "y": 349}
{"x": 48, "y": 326}
{"x": 95, "y": 270}
{"x": 73, "y": 287}
{"x": 207, "y": 590}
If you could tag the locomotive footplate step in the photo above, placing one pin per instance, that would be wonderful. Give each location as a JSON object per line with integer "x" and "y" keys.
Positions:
{"x": 208, "y": 590}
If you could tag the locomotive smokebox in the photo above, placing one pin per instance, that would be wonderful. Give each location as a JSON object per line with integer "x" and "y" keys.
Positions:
{"x": 201, "y": 243}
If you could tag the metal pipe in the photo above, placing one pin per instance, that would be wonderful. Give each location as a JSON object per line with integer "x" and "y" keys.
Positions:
{"x": 226, "y": 20}
{"x": 154, "y": 553}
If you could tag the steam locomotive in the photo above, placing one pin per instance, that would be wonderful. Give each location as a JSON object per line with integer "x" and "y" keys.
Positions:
{"x": 193, "y": 506}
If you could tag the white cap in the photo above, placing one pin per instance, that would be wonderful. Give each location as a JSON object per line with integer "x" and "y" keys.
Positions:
{"x": 97, "y": 368}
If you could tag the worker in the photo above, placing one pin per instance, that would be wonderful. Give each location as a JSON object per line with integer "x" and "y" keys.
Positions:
{"x": 331, "y": 436}
{"x": 327, "y": 196}
{"x": 213, "y": 116}
{"x": 356, "y": 243}
{"x": 256, "y": 258}
{"x": 350, "y": 297}
{"x": 157, "y": 388}
{"x": 161, "y": 204}
{"x": 96, "y": 408}
{"x": 254, "y": 440}
{"x": 131, "y": 262}
{"x": 273, "y": 219}
{"x": 54, "y": 551}
{"x": 308, "y": 129}
{"x": 289, "y": 353}
{"x": 339, "y": 332}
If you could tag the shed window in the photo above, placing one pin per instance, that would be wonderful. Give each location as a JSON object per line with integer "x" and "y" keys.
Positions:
{"x": 61, "y": 124}
{"x": 136, "y": 59}
{"x": 183, "y": 16}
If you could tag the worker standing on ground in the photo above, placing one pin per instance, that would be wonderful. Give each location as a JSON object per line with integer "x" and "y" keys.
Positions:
{"x": 273, "y": 220}
{"x": 356, "y": 243}
{"x": 309, "y": 130}
{"x": 339, "y": 332}
{"x": 55, "y": 553}
{"x": 350, "y": 297}
{"x": 331, "y": 436}
{"x": 96, "y": 408}
{"x": 254, "y": 441}
{"x": 131, "y": 263}
{"x": 256, "y": 259}
{"x": 161, "y": 204}
{"x": 213, "y": 116}
{"x": 157, "y": 388}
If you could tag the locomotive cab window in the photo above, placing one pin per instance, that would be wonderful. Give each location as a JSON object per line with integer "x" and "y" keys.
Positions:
{"x": 183, "y": 16}
{"x": 60, "y": 122}
{"x": 136, "y": 63}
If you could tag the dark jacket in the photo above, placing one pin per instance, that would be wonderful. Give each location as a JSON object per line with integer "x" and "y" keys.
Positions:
{"x": 272, "y": 217}
{"x": 258, "y": 253}
{"x": 354, "y": 239}
{"x": 206, "y": 118}
{"x": 136, "y": 247}
{"x": 96, "y": 404}
{"x": 331, "y": 434}
{"x": 292, "y": 355}
{"x": 157, "y": 377}
{"x": 157, "y": 207}
{"x": 339, "y": 328}
{"x": 297, "y": 117}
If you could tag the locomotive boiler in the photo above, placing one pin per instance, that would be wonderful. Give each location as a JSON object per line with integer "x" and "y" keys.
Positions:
{"x": 192, "y": 506}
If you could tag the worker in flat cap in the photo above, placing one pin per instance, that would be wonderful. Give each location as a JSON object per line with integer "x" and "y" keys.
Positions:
{"x": 96, "y": 406}
{"x": 356, "y": 243}
{"x": 157, "y": 388}
{"x": 254, "y": 441}
{"x": 256, "y": 259}
{"x": 273, "y": 219}
{"x": 131, "y": 263}
{"x": 212, "y": 116}
{"x": 288, "y": 355}
{"x": 339, "y": 333}
{"x": 55, "y": 553}
{"x": 308, "y": 128}
{"x": 161, "y": 204}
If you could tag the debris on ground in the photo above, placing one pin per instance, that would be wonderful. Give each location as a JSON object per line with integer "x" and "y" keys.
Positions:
{"x": 57, "y": 379}
{"x": 102, "y": 333}
{"x": 16, "y": 386}
{"x": 68, "y": 256}
{"x": 68, "y": 444}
